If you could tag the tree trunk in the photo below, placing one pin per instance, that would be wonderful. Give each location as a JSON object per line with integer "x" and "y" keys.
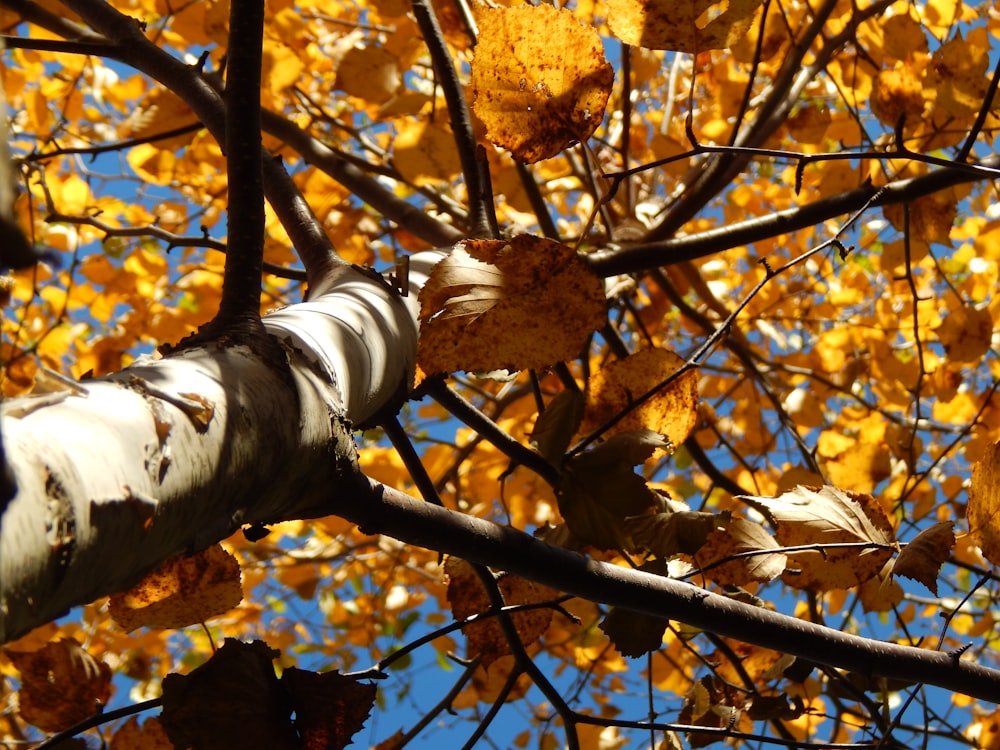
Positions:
{"x": 169, "y": 456}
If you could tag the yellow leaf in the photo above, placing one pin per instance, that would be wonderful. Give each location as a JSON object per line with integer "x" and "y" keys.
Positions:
{"x": 519, "y": 304}
{"x": 424, "y": 153}
{"x": 881, "y": 593}
{"x": 931, "y": 217}
{"x": 184, "y": 591}
{"x": 282, "y": 66}
{"x": 158, "y": 112}
{"x": 895, "y": 93}
{"x": 966, "y": 333}
{"x": 809, "y": 124}
{"x": 152, "y": 164}
{"x": 956, "y": 77}
{"x": 369, "y": 73}
{"x": 672, "y": 411}
{"x": 858, "y": 466}
{"x": 681, "y": 25}
{"x": 903, "y": 36}
{"x": 983, "y": 511}
{"x": 539, "y": 80}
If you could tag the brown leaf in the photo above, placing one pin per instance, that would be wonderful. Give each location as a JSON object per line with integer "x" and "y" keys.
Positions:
{"x": 557, "y": 425}
{"x": 712, "y": 703}
{"x": 983, "y": 511}
{"x": 634, "y": 633}
{"x": 738, "y": 537}
{"x": 539, "y": 80}
{"x": 823, "y": 516}
{"x": 330, "y": 708}
{"x": 150, "y": 736}
{"x": 671, "y": 533}
{"x": 231, "y": 702}
{"x": 184, "y": 591}
{"x": 61, "y": 684}
{"x": 599, "y": 490}
{"x": 672, "y": 411}
{"x": 485, "y": 638}
{"x": 921, "y": 559}
{"x": 526, "y": 303}
{"x": 680, "y": 25}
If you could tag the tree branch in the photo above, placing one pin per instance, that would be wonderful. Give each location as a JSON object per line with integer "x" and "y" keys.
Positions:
{"x": 244, "y": 166}
{"x": 187, "y": 82}
{"x": 638, "y": 258}
{"x": 411, "y": 520}
{"x": 482, "y": 219}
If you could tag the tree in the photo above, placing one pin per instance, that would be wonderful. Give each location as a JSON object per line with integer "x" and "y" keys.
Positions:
{"x": 697, "y": 438}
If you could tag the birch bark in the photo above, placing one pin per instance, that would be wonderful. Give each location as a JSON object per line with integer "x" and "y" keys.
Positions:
{"x": 169, "y": 456}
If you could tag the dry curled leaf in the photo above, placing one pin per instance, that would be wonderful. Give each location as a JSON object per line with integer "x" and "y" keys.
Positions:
{"x": 149, "y": 736}
{"x": 673, "y": 532}
{"x": 556, "y": 426}
{"x": 524, "y": 303}
{"x": 599, "y": 492}
{"x": 819, "y": 517}
{"x": 183, "y": 591}
{"x": 921, "y": 559}
{"x": 539, "y": 80}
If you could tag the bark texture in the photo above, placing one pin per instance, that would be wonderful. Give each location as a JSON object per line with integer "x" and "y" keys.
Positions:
{"x": 172, "y": 455}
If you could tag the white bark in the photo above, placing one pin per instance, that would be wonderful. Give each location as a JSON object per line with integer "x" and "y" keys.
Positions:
{"x": 172, "y": 455}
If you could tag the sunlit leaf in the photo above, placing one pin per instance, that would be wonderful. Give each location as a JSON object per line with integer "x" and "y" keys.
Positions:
{"x": 672, "y": 410}
{"x": 183, "y": 591}
{"x": 740, "y": 537}
{"x": 681, "y": 25}
{"x": 370, "y": 73}
{"x": 983, "y": 511}
{"x": 823, "y": 516}
{"x": 922, "y": 558}
{"x": 493, "y": 305}
{"x": 539, "y": 80}
{"x": 966, "y": 333}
